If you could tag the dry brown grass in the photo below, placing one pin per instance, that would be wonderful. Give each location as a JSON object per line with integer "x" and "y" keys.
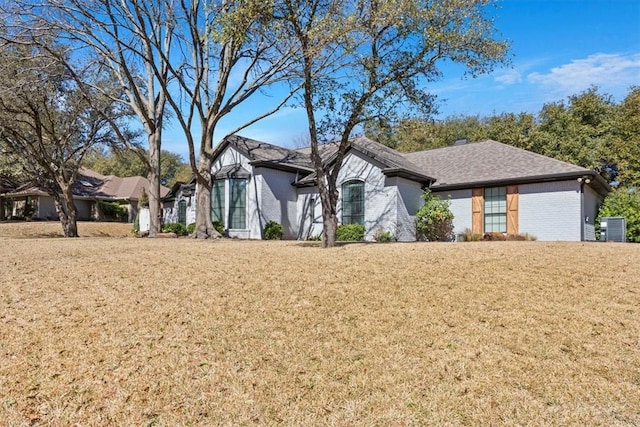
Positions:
{"x": 183, "y": 332}
{"x": 30, "y": 229}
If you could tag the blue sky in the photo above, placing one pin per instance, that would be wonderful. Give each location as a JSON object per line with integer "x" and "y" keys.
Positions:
{"x": 558, "y": 48}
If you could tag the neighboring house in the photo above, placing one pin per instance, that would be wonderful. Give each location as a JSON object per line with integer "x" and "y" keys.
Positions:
{"x": 493, "y": 187}
{"x": 90, "y": 188}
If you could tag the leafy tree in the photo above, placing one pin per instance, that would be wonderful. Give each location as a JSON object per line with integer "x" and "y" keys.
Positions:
{"x": 370, "y": 61}
{"x": 434, "y": 220}
{"x": 621, "y": 202}
{"x": 49, "y": 118}
{"x": 626, "y": 140}
{"x": 578, "y": 132}
{"x": 128, "y": 163}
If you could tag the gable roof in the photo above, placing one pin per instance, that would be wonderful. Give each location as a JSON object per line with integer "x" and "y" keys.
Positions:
{"x": 393, "y": 163}
{"x": 493, "y": 163}
{"x": 264, "y": 154}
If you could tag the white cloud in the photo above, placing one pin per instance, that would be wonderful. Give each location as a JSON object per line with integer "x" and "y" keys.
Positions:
{"x": 611, "y": 72}
{"x": 509, "y": 77}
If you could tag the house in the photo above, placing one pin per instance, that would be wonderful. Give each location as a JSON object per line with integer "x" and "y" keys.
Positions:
{"x": 492, "y": 187}
{"x": 89, "y": 189}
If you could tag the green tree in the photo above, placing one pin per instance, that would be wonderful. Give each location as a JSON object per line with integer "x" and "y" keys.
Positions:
{"x": 128, "y": 163}
{"x": 579, "y": 132}
{"x": 622, "y": 202}
{"x": 626, "y": 140}
{"x": 367, "y": 62}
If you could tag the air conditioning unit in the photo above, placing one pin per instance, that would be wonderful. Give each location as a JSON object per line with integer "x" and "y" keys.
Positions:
{"x": 613, "y": 229}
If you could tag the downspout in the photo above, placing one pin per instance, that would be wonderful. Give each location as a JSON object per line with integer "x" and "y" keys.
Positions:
{"x": 582, "y": 180}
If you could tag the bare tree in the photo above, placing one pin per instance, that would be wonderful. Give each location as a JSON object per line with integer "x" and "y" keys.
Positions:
{"x": 48, "y": 123}
{"x": 203, "y": 58}
{"x": 130, "y": 39}
{"x": 228, "y": 52}
{"x": 373, "y": 59}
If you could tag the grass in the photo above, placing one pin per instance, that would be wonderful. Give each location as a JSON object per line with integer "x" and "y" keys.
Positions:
{"x": 104, "y": 331}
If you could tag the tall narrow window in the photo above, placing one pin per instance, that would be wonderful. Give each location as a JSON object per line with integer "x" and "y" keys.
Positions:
{"x": 182, "y": 212}
{"x": 353, "y": 202}
{"x": 495, "y": 210}
{"x": 238, "y": 203}
{"x": 217, "y": 201}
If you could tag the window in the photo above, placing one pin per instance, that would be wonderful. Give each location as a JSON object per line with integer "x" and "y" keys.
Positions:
{"x": 353, "y": 202}
{"x": 217, "y": 201}
{"x": 238, "y": 203}
{"x": 495, "y": 210}
{"x": 182, "y": 212}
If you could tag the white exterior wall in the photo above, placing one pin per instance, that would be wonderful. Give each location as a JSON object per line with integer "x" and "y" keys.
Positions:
{"x": 460, "y": 208}
{"x": 550, "y": 210}
{"x": 253, "y": 228}
{"x": 278, "y": 200}
{"x": 592, "y": 202}
{"x": 309, "y": 218}
{"x": 409, "y": 201}
{"x": 380, "y": 206}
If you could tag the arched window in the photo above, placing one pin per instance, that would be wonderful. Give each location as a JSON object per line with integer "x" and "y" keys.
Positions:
{"x": 353, "y": 202}
{"x": 182, "y": 212}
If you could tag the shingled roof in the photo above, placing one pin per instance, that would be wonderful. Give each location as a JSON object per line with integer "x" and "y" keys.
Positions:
{"x": 492, "y": 163}
{"x": 264, "y": 154}
{"x": 92, "y": 185}
{"x": 393, "y": 163}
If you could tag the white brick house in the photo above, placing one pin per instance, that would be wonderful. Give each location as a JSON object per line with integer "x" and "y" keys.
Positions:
{"x": 492, "y": 187}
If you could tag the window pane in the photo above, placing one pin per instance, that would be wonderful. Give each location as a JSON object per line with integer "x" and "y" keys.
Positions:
{"x": 217, "y": 201}
{"x": 495, "y": 209}
{"x": 353, "y": 202}
{"x": 238, "y": 203}
{"x": 182, "y": 212}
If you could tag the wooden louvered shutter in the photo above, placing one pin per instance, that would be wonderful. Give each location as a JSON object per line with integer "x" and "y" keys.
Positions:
{"x": 512, "y": 209}
{"x": 477, "y": 199}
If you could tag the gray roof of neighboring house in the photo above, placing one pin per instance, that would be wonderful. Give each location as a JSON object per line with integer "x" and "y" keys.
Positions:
{"x": 490, "y": 162}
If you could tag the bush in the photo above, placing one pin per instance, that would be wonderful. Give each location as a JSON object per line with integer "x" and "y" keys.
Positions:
{"x": 191, "y": 228}
{"x": 469, "y": 236}
{"x": 434, "y": 220}
{"x": 350, "y": 233}
{"x": 384, "y": 236}
{"x": 113, "y": 210}
{"x": 219, "y": 226}
{"x": 272, "y": 231}
{"x": 494, "y": 236}
{"x": 622, "y": 202}
{"x": 179, "y": 229}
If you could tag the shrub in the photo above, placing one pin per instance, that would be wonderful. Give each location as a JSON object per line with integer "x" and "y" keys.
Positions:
{"x": 384, "y": 236}
{"x": 494, "y": 236}
{"x": 469, "y": 236}
{"x": 136, "y": 225}
{"x": 112, "y": 210}
{"x": 622, "y": 202}
{"x": 273, "y": 231}
{"x": 179, "y": 229}
{"x": 434, "y": 220}
{"x": 219, "y": 226}
{"x": 191, "y": 228}
{"x": 350, "y": 233}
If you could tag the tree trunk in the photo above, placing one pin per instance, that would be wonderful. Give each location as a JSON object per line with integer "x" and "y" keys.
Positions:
{"x": 330, "y": 225}
{"x": 155, "y": 198}
{"x": 2, "y": 213}
{"x": 67, "y": 212}
{"x": 204, "y": 225}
